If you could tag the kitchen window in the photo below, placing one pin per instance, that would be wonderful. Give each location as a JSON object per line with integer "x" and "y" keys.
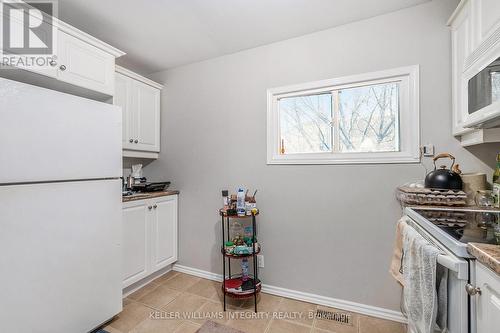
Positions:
{"x": 368, "y": 118}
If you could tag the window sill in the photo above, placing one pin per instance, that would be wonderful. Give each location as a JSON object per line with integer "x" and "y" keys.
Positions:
{"x": 345, "y": 159}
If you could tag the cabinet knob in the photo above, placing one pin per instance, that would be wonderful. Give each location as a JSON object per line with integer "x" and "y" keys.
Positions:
{"x": 131, "y": 140}
{"x": 155, "y": 206}
{"x": 136, "y": 141}
{"x": 471, "y": 290}
{"x": 150, "y": 207}
{"x": 62, "y": 67}
{"x": 53, "y": 63}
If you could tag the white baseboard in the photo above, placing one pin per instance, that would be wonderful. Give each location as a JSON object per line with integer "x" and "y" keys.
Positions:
{"x": 307, "y": 297}
{"x": 198, "y": 272}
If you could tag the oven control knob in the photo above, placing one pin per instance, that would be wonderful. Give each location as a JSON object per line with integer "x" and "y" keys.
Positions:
{"x": 471, "y": 290}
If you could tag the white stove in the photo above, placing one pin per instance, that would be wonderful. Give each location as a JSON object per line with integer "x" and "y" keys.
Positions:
{"x": 450, "y": 230}
{"x": 455, "y": 228}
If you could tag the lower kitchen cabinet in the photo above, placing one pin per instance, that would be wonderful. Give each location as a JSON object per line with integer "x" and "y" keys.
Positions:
{"x": 135, "y": 242}
{"x": 488, "y": 301}
{"x": 149, "y": 237}
{"x": 164, "y": 232}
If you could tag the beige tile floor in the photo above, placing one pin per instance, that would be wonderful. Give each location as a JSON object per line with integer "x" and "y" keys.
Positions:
{"x": 184, "y": 294}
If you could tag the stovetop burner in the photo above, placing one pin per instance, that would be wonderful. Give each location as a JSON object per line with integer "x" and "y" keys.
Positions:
{"x": 466, "y": 226}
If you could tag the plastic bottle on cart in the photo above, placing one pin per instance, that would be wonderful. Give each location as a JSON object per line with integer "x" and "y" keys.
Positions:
{"x": 244, "y": 269}
{"x": 240, "y": 202}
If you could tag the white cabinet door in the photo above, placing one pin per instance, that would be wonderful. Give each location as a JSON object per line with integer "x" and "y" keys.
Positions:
{"x": 136, "y": 242}
{"x": 140, "y": 103}
{"x": 486, "y": 19}
{"x": 84, "y": 65}
{"x": 146, "y": 110}
{"x": 122, "y": 98}
{"x": 149, "y": 237}
{"x": 164, "y": 232}
{"x": 488, "y": 302}
{"x": 461, "y": 49}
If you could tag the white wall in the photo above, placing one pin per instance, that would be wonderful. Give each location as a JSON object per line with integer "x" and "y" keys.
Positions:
{"x": 324, "y": 229}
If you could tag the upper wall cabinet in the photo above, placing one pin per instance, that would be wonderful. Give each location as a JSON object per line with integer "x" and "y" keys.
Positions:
{"x": 139, "y": 98}
{"x": 475, "y": 24}
{"x": 486, "y": 15}
{"x": 461, "y": 45}
{"x": 80, "y": 64}
{"x": 84, "y": 65}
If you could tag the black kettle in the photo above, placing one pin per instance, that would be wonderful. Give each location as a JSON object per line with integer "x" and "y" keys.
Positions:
{"x": 443, "y": 178}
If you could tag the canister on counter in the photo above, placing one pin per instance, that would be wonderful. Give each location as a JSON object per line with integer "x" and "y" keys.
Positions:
{"x": 473, "y": 182}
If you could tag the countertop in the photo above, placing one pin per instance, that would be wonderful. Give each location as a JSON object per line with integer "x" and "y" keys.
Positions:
{"x": 487, "y": 254}
{"x": 149, "y": 195}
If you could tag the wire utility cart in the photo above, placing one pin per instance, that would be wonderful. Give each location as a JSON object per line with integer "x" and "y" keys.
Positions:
{"x": 256, "y": 285}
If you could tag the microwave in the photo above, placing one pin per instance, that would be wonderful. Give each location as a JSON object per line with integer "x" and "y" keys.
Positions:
{"x": 482, "y": 88}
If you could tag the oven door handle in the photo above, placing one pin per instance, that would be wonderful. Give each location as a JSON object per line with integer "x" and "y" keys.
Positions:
{"x": 446, "y": 258}
{"x": 460, "y": 266}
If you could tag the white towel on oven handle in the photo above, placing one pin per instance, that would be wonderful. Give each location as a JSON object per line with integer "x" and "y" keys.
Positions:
{"x": 420, "y": 298}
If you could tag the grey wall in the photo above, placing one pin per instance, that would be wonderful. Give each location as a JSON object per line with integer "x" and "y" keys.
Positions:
{"x": 325, "y": 229}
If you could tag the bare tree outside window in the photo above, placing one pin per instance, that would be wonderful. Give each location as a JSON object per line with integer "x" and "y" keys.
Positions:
{"x": 305, "y": 123}
{"x": 359, "y": 119}
{"x": 369, "y": 118}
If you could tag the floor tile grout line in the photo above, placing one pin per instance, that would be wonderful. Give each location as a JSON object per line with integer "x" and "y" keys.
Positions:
{"x": 174, "y": 274}
{"x": 189, "y": 322}
{"x": 155, "y": 287}
{"x": 314, "y": 319}
{"x": 268, "y": 327}
{"x": 153, "y": 308}
{"x": 196, "y": 310}
{"x": 240, "y": 306}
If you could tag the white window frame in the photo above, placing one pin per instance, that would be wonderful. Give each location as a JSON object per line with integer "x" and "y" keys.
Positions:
{"x": 409, "y": 119}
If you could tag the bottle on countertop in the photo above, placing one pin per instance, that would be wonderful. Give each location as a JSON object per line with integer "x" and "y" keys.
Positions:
{"x": 496, "y": 183}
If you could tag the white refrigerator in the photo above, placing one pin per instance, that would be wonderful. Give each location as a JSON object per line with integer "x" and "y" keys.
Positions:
{"x": 60, "y": 211}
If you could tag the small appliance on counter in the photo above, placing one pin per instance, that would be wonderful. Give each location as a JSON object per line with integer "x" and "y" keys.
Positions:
{"x": 137, "y": 183}
{"x": 150, "y": 186}
{"x": 134, "y": 178}
{"x": 131, "y": 182}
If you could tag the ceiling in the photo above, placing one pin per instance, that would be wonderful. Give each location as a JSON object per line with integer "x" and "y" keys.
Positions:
{"x": 161, "y": 34}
